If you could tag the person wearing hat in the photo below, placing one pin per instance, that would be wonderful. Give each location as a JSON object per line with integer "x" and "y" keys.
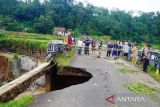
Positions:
{"x": 146, "y": 57}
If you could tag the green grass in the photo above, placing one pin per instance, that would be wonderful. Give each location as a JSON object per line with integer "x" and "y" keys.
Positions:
{"x": 105, "y": 39}
{"x": 15, "y": 56}
{"x": 29, "y": 35}
{"x": 24, "y": 101}
{"x": 24, "y": 43}
{"x": 139, "y": 88}
{"x": 119, "y": 63}
{"x": 27, "y": 41}
{"x": 156, "y": 46}
{"x": 32, "y": 40}
{"x": 152, "y": 46}
{"x": 152, "y": 72}
{"x": 66, "y": 60}
{"x": 126, "y": 70}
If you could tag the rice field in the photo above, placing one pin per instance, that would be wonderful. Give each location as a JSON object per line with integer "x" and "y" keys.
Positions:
{"x": 25, "y": 40}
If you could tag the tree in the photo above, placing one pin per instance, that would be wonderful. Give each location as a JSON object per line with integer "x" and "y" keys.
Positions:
{"x": 44, "y": 25}
{"x": 7, "y": 7}
{"x": 41, "y": 17}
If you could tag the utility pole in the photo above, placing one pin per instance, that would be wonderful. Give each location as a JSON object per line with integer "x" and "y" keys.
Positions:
{"x": 17, "y": 27}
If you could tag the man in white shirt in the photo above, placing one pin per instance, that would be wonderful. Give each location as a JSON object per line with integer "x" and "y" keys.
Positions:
{"x": 80, "y": 45}
{"x": 126, "y": 49}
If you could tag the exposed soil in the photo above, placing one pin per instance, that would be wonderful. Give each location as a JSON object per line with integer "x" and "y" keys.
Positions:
{"x": 38, "y": 54}
{"x": 5, "y": 74}
{"x": 4, "y": 65}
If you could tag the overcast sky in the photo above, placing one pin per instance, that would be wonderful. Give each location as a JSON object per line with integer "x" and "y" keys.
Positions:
{"x": 136, "y": 5}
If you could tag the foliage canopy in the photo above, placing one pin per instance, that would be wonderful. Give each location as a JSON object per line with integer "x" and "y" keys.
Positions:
{"x": 40, "y": 17}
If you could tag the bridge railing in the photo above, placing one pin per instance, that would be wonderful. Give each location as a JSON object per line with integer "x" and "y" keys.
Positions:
{"x": 19, "y": 85}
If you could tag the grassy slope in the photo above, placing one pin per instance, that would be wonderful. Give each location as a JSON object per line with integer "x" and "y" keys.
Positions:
{"x": 152, "y": 72}
{"x": 26, "y": 40}
{"x": 66, "y": 60}
{"x": 140, "y": 88}
{"x": 21, "y": 102}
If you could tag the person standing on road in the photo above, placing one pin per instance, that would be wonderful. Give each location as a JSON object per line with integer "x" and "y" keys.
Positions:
{"x": 125, "y": 50}
{"x": 93, "y": 46}
{"x": 100, "y": 48}
{"x": 115, "y": 49}
{"x": 80, "y": 45}
{"x": 100, "y": 45}
{"x": 109, "y": 49}
{"x": 69, "y": 41}
{"x": 135, "y": 54}
{"x": 120, "y": 45}
{"x": 146, "y": 57}
{"x": 66, "y": 40}
{"x": 130, "y": 50}
{"x": 86, "y": 48}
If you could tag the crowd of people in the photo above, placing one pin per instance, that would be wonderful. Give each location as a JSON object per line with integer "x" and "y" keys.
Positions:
{"x": 89, "y": 44}
{"x": 114, "y": 49}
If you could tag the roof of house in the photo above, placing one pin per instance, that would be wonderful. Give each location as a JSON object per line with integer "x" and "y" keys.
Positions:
{"x": 60, "y": 29}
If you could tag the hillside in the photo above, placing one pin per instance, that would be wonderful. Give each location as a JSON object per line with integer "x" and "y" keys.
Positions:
{"x": 34, "y": 16}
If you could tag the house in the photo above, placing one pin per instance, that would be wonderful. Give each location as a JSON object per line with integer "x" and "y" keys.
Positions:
{"x": 60, "y": 31}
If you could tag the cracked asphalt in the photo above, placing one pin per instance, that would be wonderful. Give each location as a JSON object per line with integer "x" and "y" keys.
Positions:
{"x": 106, "y": 81}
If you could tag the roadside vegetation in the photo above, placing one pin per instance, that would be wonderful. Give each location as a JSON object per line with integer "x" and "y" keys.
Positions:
{"x": 139, "y": 88}
{"x": 126, "y": 70}
{"x": 24, "y": 101}
{"x": 156, "y": 46}
{"x": 151, "y": 70}
{"x": 119, "y": 63}
{"x": 15, "y": 56}
{"x": 65, "y": 60}
{"x": 28, "y": 42}
{"x": 152, "y": 73}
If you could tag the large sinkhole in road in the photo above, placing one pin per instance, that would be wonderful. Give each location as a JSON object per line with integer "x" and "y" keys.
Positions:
{"x": 68, "y": 76}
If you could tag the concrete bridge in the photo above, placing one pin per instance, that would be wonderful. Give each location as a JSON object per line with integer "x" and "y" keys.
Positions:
{"x": 19, "y": 85}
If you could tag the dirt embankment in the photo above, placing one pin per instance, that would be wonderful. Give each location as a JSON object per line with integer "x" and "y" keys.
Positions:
{"x": 36, "y": 53}
{"x": 5, "y": 74}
